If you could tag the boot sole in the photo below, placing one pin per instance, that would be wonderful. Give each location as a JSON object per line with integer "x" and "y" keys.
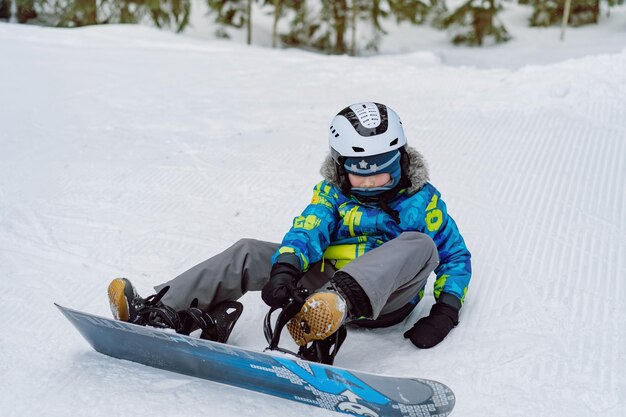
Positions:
{"x": 321, "y": 315}
{"x": 118, "y": 299}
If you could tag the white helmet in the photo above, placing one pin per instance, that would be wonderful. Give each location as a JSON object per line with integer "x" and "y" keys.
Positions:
{"x": 365, "y": 139}
{"x": 365, "y": 129}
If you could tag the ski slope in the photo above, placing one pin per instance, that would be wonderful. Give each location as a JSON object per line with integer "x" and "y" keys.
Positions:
{"x": 125, "y": 151}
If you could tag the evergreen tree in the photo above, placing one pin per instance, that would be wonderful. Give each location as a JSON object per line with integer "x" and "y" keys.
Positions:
{"x": 73, "y": 13}
{"x": 414, "y": 11}
{"x": 369, "y": 17}
{"x": 310, "y": 25}
{"x": 238, "y": 13}
{"x": 5, "y": 9}
{"x": 336, "y": 26}
{"x": 25, "y": 10}
{"x": 228, "y": 13}
{"x": 475, "y": 21}
{"x": 278, "y": 11}
{"x": 550, "y": 12}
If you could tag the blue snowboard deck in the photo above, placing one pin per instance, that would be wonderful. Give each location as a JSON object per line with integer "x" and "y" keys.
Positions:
{"x": 323, "y": 386}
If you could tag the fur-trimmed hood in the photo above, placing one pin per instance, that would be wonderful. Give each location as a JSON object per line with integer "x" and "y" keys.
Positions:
{"x": 418, "y": 170}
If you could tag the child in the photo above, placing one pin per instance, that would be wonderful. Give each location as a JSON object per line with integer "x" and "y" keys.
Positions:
{"x": 364, "y": 247}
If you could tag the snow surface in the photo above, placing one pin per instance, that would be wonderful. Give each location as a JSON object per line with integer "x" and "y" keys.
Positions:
{"x": 127, "y": 151}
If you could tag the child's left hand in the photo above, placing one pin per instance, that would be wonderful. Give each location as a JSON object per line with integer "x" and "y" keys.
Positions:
{"x": 432, "y": 329}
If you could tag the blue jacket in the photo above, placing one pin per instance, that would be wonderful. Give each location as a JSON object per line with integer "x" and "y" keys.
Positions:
{"x": 340, "y": 228}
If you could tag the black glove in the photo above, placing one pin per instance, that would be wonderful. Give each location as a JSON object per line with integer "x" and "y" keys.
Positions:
{"x": 282, "y": 284}
{"x": 432, "y": 329}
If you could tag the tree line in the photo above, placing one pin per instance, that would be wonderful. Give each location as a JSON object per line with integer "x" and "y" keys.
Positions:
{"x": 329, "y": 26}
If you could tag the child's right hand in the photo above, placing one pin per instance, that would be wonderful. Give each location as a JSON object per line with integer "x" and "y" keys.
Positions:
{"x": 281, "y": 286}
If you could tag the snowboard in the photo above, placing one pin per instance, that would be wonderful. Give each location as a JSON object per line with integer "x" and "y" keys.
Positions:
{"x": 324, "y": 386}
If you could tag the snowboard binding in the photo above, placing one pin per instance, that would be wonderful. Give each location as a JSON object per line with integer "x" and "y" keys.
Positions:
{"x": 152, "y": 312}
{"x": 215, "y": 325}
{"x": 321, "y": 351}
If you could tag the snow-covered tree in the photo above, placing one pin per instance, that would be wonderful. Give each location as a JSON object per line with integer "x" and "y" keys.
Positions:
{"x": 319, "y": 25}
{"x": 550, "y": 12}
{"x": 475, "y": 22}
{"x": 232, "y": 13}
{"x": 72, "y": 13}
{"x": 340, "y": 27}
{"x": 414, "y": 11}
{"x": 5, "y": 9}
{"x": 25, "y": 10}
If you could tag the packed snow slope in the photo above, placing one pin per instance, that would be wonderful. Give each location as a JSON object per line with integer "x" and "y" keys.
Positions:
{"x": 126, "y": 151}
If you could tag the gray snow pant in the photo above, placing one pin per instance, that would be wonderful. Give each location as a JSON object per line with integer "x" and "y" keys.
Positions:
{"x": 391, "y": 275}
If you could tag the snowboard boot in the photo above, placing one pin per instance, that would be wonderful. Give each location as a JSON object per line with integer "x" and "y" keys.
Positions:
{"x": 327, "y": 310}
{"x": 127, "y": 305}
{"x": 122, "y": 299}
{"x": 322, "y": 314}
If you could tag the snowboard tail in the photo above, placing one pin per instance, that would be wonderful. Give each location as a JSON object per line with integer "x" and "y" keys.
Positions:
{"x": 324, "y": 386}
